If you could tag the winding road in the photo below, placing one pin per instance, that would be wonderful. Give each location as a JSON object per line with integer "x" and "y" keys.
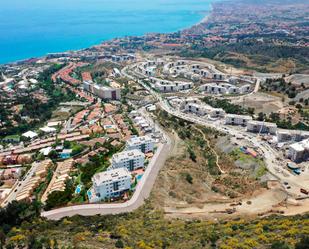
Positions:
{"x": 141, "y": 193}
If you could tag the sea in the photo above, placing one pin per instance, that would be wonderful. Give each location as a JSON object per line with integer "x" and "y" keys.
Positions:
{"x": 33, "y": 28}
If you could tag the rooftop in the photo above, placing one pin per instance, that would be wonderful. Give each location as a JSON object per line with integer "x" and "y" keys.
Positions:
{"x": 127, "y": 155}
{"x": 111, "y": 175}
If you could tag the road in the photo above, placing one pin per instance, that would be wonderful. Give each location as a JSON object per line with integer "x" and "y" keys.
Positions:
{"x": 144, "y": 187}
{"x": 19, "y": 185}
{"x": 141, "y": 193}
{"x": 273, "y": 160}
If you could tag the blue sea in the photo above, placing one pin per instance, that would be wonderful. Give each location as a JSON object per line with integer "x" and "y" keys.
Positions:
{"x": 32, "y": 28}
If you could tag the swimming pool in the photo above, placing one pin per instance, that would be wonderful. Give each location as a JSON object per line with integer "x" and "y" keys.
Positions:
{"x": 139, "y": 177}
{"x": 89, "y": 194}
{"x": 78, "y": 189}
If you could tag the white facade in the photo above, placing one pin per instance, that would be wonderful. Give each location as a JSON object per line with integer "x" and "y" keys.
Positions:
{"x": 291, "y": 135}
{"x": 196, "y": 108}
{"x": 170, "y": 86}
{"x": 224, "y": 88}
{"x": 112, "y": 183}
{"x": 145, "y": 144}
{"x": 131, "y": 160}
{"x": 102, "y": 92}
{"x": 299, "y": 151}
{"x": 217, "y": 113}
{"x": 232, "y": 119}
{"x": 213, "y": 88}
{"x": 261, "y": 127}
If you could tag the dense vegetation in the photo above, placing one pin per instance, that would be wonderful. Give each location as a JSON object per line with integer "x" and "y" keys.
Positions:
{"x": 37, "y": 111}
{"x": 227, "y": 106}
{"x": 252, "y": 54}
{"x": 147, "y": 228}
{"x": 281, "y": 86}
{"x": 282, "y": 123}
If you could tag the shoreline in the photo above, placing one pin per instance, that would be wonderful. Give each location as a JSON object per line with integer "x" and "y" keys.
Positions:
{"x": 204, "y": 19}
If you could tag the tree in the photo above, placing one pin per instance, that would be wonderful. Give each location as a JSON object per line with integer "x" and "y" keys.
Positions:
{"x": 119, "y": 244}
{"x": 53, "y": 154}
{"x": 303, "y": 243}
{"x": 189, "y": 178}
{"x": 279, "y": 245}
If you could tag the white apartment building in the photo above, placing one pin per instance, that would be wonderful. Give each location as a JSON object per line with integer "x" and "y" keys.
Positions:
{"x": 224, "y": 88}
{"x": 145, "y": 144}
{"x": 197, "y": 109}
{"x": 233, "y": 119}
{"x": 213, "y": 88}
{"x": 130, "y": 159}
{"x": 169, "y": 86}
{"x": 218, "y": 76}
{"x": 261, "y": 127}
{"x": 245, "y": 88}
{"x": 299, "y": 151}
{"x": 291, "y": 135}
{"x": 216, "y": 113}
{"x": 102, "y": 92}
{"x": 233, "y": 90}
{"x": 109, "y": 184}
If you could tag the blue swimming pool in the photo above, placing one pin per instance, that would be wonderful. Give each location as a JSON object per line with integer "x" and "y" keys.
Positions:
{"x": 139, "y": 177}
{"x": 89, "y": 194}
{"x": 78, "y": 189}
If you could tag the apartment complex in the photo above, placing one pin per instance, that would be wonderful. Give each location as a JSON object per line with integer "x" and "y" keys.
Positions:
{"x": 145, "y": 144}
{"x": 39, "y": 173}
{"x": 131, "y": 160}
{"x": 109, "y": 184}
{"x": 59, "y": 178}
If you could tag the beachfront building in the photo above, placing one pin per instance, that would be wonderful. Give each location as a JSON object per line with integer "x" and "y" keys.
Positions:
{"x": 145, "y": 144}
{"x": 130, "y": 159}
{"x": 299, "y": 152}
{"x": 110, "y": 184}
{"x": 233, "y": 119}
{"x": 261, "y": 127}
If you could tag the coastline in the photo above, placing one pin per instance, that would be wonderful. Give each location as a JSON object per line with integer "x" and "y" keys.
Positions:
{"x": 204, "y": 19}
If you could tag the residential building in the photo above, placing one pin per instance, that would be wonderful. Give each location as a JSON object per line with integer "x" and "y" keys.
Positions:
{"x": 261, "y": 127}
{"x": 30, "y": 134}
{"x": 131, "y": 160}
{"x": 233, "y": 119}
{"x": 102, "y": 92}
{"x": 109, "y": 184}
{"x": 299, "y": 151}
{"x": 291, "y": 135}
{"x": 216, "y": 113}
{"x": 196, "y": 108}
{"x": 145, "y": 144}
